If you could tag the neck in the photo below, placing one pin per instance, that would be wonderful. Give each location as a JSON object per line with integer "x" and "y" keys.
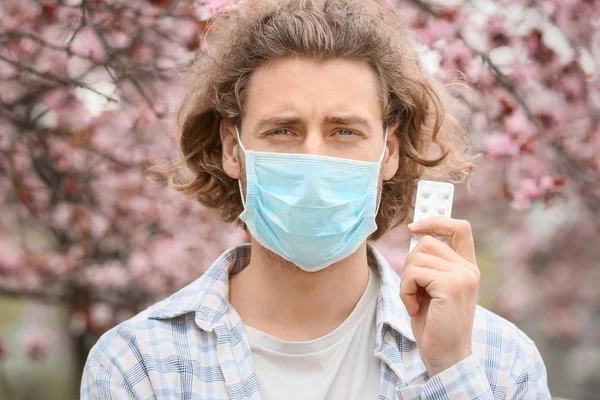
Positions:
{"x": 284, "y": 301}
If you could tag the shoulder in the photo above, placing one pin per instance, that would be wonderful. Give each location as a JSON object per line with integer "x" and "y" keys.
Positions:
{"x": 145, "y": 353}
{"x": 493, "y": 330}
{"x": 165, "y": 328}
{"x": 174, "y": 327}
{"x": 125, "y": 345}
{"x": 504, "y": 348}
{"x": 150, "y": 331}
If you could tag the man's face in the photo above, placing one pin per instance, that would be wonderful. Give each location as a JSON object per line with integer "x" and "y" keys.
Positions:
{"x": 298, "y": 106}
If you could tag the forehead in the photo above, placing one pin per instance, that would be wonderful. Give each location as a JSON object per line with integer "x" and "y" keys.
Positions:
{"x": 310, "y": 91}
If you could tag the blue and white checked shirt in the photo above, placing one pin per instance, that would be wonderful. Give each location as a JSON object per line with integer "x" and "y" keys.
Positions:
{"x": 193, "y": 345}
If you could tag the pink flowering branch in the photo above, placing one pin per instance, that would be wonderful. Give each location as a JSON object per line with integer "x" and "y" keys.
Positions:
{"x": 53, "y": 78}
{"x": 566, "y": 162}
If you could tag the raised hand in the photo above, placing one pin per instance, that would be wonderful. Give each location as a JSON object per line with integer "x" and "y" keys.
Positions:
{"x": 440, "y": 286}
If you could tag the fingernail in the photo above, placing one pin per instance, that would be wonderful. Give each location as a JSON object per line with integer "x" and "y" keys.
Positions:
{"x": 412, "y": 225}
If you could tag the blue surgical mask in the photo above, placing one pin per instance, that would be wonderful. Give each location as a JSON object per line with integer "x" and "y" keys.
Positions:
{"x": 310, "y": 209}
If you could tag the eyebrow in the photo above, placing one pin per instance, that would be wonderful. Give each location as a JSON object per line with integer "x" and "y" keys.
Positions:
{"x": 276, "y": 121}
{"x": 341, "y": 120}
{"x": 347, "y": 120}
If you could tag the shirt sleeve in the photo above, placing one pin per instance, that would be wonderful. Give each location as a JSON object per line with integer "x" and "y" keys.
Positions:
{"x": 532, "y": 380}
{"x": 466, "y": 380}
{"x": 97, "y": 383}
{"x": 115, "y": 368}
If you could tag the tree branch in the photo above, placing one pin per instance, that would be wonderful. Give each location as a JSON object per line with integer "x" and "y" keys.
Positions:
{"x": 52, "y": 77}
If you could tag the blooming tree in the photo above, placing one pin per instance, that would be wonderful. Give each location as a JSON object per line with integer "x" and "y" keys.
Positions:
{"x": 533, "y": 110}
{"x": 87, "y": 90}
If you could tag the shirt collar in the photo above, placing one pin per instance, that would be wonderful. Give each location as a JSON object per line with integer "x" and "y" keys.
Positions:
{"x": 208, "y": 296}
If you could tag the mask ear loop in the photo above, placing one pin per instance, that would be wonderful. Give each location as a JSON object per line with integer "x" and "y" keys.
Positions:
{"x": 239, "y": 139}
{"x": 384, "y": 145}
{"x": 240, "y": 180}
{"x": 380, "y": 160}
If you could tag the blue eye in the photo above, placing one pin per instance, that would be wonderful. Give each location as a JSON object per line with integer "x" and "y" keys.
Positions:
{"x": 345, "y": 132}
{"x": 278, "y": 132}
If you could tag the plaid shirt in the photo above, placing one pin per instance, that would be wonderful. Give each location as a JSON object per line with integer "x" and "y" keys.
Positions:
{"x": 193, "y": 345}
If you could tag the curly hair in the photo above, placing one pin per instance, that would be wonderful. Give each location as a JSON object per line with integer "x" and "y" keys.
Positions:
{"x": 432, "y": 142}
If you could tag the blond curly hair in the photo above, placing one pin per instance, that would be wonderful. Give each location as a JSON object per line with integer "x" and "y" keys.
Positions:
{"x": 255, "y": 32}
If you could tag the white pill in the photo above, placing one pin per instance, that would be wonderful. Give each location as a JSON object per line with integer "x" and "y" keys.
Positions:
{"x": 424, "y": 208}
{"x": 426, "y": 192}
{"x": 441, "y": 210}
{"x": 445, "y": 194}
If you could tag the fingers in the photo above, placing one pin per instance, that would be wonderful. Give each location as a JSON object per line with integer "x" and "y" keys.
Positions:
{"x": 412, "y": 280}
{"x": 459, "y": 230}
{"x": 435, "y": 254}
{"x": 427, "y": 260}
{"x": 430, "y": 245}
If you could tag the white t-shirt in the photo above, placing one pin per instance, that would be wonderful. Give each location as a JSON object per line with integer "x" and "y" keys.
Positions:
{"x": 339, "y": 365}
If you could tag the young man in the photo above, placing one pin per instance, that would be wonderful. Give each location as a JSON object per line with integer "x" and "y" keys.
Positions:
{"x": 312, "y": 121}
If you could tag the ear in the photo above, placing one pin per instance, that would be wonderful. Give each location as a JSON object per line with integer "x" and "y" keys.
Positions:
{"x": 391, "y": 160}
{"x": 229, "y": 142}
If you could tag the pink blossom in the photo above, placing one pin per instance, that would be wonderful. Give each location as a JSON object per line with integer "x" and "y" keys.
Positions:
{"x": 37, "y": 345}
{"x": 98, "y": 225}
{"x": 62, "y": 214}
{"x": 56, "y": 98}
{"x": 572, "y": 87}
{"x": 21, "y": 10}
{"x": 456, "y": 56}
{"x": 530, "y": 189}
{"x": 101, "y": 315}
{"x": 87, "y": 44}
{"x": 68, "y": 16}
{"x": 518, "y": 125}
{"x": 501, "y": 146}
{"x": 111, "y": 275}
{"x": 10, "y": 257}
{"x": 523, "y": 74}
{"x": 118, "y": 39}
{"x": 479, "y": 75}
{"x": 497, "y": 32}
{"x": 414, "y": 19}
{"x": 547, "y": 183}
{"x": 210, "y": 8}
{"x": 59, "y": 265}
{"x": 24, "y": 47}
{"x": 70, "y": 110}
{"x": 437, "y": 29}
{"x": 7, "y": 70}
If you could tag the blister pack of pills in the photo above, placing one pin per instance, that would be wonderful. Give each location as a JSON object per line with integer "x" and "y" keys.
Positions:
{"x": 433, "y": 199}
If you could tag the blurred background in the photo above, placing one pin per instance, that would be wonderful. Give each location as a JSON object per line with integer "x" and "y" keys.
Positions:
{"x": 88, "y": 91}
